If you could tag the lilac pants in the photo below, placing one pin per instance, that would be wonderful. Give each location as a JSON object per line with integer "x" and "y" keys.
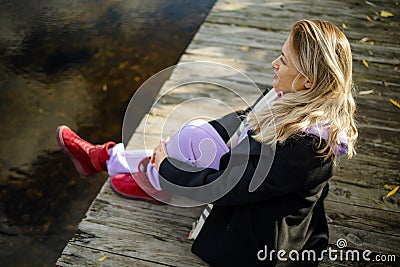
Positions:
{"x": 196, "y": 143}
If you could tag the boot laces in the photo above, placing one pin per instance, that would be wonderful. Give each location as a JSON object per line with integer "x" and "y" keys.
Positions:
{"x": 86, "y": 146}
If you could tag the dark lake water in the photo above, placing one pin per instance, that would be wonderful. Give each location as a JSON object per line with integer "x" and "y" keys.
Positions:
{"x": 78, "y": 63}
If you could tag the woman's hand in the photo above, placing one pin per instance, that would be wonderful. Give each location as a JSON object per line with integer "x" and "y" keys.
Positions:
{"x": 159, "y": 154}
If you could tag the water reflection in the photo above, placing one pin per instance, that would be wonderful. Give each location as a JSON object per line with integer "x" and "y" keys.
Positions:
{"x": 77, "y": 63}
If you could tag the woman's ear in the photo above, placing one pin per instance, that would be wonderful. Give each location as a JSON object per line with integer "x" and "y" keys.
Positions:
{"x": 308, "y": 84}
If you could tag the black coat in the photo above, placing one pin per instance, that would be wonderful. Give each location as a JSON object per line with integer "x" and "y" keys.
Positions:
{"x": 286, "y": 211}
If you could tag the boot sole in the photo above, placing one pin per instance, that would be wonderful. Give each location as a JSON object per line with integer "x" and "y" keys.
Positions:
{"x": 153, "y": 201}
{"x": 61, "y": 144}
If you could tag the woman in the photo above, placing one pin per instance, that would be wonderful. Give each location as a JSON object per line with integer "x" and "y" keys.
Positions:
{"x": 309, "y": 124}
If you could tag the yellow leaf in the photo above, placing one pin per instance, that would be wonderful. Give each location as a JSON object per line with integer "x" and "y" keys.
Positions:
{"x": 388, "y": 186}
{"x": 394, "y": 102}
{"x": 391, "y": 193}
{"x": 102, "y": 259}
{"x": 365, "y": 63}
{"x": 245, "y": 48}
{"x": 344, "y": 25}
{"x": 385, "y": 14}
{"x": 369, "y": 19}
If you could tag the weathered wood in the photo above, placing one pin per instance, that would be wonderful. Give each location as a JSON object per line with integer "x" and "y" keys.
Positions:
{"x": 363, "y": 239}
{"x": 76, "y": 255}
{"x": 370, "y": 219}
{"x": 279, "y": 15}
{"x": 135, "y": 244}
{"x": 354, "y": 194}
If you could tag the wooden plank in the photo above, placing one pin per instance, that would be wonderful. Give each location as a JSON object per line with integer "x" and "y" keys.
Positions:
{"x": 135, "y": 244}
{"x": 280, "y": 15}
{"x": 76, "y": 255}
{"x": 144, "y": 217}
{"x": 112, "y": 220}
{"x": 363, "y": 240}
{"x": 368, "y": 171}
{"x": 362, "y": 196}
{"x": 365, "y": 218}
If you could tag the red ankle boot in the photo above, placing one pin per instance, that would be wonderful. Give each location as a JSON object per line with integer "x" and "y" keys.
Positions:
{"x": 125, "y": 185}
{"x": 87, "y": 158}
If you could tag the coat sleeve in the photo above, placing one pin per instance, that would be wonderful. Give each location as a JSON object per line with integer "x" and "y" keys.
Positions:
{"x": 295, "y": 167}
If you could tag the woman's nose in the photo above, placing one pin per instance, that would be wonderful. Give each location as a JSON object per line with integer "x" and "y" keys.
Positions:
{"x": 275, "y": 64}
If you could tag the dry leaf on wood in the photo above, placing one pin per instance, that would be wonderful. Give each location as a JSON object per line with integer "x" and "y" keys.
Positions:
{"x": 391, "y": 193}
{"x": 394, "y": 102}
{"x": 102, "y": 259}
{"x": 385, "y": 14}
{"x": 245, "y": 48}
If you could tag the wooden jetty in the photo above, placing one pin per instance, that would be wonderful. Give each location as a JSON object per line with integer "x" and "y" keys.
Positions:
{"x": 247, "y": 35}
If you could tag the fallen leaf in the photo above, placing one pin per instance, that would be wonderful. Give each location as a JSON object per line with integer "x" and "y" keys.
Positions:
{"x": 385, "y": 14}
{"x": 102, "y": 259}
{"x": 366, "y": 40}
{"x": 369, "y": 19}
{"x": 365, "y": 63}
{"x": 391, "y": 193}
{"x": 368, "y": 92}
{"x": 245, "y": 48}
{"x": 344, "y": 25}
{"x": 394, "y": 102}
{"x": 388, "y": 186}
{"x": 104, "y": 87}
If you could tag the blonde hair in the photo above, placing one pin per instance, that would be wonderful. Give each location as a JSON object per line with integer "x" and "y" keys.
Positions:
{"x": 324, "y": 57}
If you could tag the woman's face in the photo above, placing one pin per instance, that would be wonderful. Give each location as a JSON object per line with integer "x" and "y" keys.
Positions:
{"x": 285, "y": 72}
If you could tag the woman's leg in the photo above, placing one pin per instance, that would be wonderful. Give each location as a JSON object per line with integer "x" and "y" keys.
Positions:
{"x": 197, "y": 143}
{"x": 125, "y": 161}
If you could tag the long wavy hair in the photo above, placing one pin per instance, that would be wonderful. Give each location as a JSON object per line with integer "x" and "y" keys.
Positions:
{"x": 322, "y": 55}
